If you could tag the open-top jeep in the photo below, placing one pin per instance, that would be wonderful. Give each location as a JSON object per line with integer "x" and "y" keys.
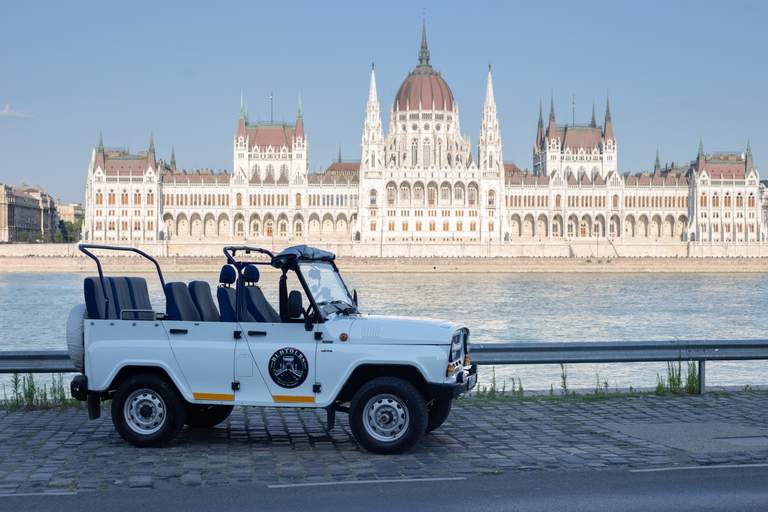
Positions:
{"x": 396, "y": 377}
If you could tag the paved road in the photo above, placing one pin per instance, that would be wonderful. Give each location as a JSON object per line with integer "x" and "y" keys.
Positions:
{"x": 61, "y": 451}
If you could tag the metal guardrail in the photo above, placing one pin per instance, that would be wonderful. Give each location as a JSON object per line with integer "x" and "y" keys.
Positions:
{"x": 621, "y": 352}
{"x": 57, "y": 361}
{"x": 35, "y": 361}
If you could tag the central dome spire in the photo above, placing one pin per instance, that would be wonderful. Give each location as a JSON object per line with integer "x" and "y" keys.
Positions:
{"x": 424, "y": 88}
{"x": 424, "y": 52}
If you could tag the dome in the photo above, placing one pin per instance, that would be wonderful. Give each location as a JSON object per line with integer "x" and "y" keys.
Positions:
{"x": 424, "y": 85}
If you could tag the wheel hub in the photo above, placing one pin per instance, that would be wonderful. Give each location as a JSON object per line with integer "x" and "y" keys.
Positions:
{"x": 386, "y": 418}
{"x": 144, "y": 411}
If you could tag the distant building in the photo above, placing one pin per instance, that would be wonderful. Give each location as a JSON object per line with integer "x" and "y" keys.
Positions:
{"x": 420, "y": 190}
{"x": 26, "y": 209}
{"x": 69, "y": 212}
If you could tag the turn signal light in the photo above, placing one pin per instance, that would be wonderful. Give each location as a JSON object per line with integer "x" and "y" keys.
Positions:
{"x": 449, "y": 371}
{"x": 343, "y": 337}
{"x": 466, "y": 359}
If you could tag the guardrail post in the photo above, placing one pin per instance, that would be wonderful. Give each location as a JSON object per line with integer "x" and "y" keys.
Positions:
{"x": 702, "y": 368}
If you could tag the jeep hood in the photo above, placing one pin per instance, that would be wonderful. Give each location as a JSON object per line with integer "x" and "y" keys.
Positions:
{"x": 401, "y": 330}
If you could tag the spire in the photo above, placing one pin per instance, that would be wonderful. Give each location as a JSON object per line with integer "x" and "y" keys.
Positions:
{"x": 300, "y": 120}
{"x": 173, "y": 158}
{"x": 300, "y": 115}
{"x": 489, "y": 88}
{"x": 372, "y": 96}
{"x": 608, "y": 128}
{"x": 593, "y": 124}
{"x": 101, "y": 144}
{"x": 151, "y": 143}
{"x": 339, "y": 152}
{"x": 701, "y": 149}
{"x": 552, "y": 129}
{"x": 242, "y": 110}
{"x": 749, "y": 150}
{"x": 424, "y": 53}
{"x": 657, "y": 165}
{"x": 540, "y": 129}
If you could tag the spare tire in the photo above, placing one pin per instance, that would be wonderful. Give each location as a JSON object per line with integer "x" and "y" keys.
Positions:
{"x": 75, "y": 328}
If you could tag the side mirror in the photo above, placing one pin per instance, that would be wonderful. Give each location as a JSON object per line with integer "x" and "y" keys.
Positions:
{"x": 354, "y": 297}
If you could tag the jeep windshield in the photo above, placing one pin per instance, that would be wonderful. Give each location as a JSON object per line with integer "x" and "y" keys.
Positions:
{"x": 327, "y": 288}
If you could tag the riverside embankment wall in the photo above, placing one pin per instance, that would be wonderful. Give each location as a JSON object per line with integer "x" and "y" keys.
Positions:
{"x": 62, "y": 258}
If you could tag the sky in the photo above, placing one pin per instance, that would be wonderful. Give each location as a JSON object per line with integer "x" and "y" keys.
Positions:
{"x": 676, "y": 71}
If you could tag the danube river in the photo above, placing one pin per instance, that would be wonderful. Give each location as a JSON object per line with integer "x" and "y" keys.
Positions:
{"x": 497, "y": 308}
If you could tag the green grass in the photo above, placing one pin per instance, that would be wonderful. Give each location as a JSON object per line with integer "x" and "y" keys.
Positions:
{"x": 25, "y": 393}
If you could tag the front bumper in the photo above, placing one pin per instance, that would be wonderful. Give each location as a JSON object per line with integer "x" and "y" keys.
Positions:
{"x": 466, "y": 379}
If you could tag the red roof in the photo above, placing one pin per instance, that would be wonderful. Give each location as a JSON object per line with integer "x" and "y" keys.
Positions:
{"x": 424, "y": 88}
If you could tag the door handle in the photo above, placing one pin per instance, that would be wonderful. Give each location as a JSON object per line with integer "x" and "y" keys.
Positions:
{"x": 178, "y": 331}
{"x": 257, "y": 333}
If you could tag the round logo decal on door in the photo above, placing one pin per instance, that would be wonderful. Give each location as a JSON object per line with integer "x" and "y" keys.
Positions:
{"x": 288, "y": 368}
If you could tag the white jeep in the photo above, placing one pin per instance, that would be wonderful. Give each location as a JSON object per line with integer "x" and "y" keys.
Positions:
{"x": 396, "y": 377}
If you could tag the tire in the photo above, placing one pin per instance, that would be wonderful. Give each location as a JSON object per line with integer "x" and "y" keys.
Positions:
{"x": 148, "y": 411}
{"x": 207, "y": 416}
{"x": 388, "y": 415}
{"x": 438, "y": 413}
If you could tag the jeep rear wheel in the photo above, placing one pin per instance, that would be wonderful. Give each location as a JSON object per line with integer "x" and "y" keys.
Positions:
{"x": 207, "y": 416}
{"x": 147, "y": 411}
{"x": 388, "y": 415}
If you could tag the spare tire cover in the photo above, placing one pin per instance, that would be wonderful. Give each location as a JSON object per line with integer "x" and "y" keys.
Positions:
{"x": 75, "y": 326}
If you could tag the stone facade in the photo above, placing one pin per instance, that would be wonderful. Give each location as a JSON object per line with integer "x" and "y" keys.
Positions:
{"x": 26, "y": 209}
{"x": 419, "y": 190}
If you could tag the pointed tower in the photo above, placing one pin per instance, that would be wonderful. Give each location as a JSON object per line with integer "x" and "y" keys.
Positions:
{"x": 373, "y": 136}
{"x": 242, "y": 122}
{"x": 151, "y": 151}
{"x": 539, "y": 131}
{"x": 552, "y": 128}
{"x": 593, "y": 123}
{"x": 748, "y": 162}
{"x": 608, "y": 128}
{"x": 489, "y": 141}
{"x": 657, "y": 165}
{"x": 608, "y": 146}
{"x": 173, "y": 158}
{"x": 300, "y": 121}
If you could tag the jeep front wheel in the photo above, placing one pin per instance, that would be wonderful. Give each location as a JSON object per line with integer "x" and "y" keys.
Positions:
{"x": 147, "y": 411}
{"x": 388, "y": 415}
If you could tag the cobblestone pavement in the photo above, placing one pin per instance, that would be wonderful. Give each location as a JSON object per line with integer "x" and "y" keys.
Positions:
{"x": 61, "y": 450}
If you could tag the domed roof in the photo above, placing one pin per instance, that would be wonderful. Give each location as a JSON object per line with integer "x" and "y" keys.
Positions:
{"x": 424, "y": 85}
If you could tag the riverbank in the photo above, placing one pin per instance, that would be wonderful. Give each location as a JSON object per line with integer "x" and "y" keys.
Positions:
{"x": 212, "y": 264}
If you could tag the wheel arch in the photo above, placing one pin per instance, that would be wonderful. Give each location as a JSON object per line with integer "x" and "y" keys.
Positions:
{"x": 126, "y": 372}
{"x": 367, "y": 372}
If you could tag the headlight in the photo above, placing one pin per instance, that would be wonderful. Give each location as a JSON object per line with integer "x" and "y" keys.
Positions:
{"x": 457, "y": 344}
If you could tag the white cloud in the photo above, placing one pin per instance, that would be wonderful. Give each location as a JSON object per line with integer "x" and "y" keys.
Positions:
{"x": 7, "y": 112}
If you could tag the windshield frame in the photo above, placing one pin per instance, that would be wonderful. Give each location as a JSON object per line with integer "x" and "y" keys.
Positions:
{"x": 331, "y": 295}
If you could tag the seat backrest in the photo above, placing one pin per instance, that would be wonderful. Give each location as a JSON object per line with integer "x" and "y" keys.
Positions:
{"x": 258, "y": 305}
{"x": 122, "y": 295}
{"x": 94, "y": 299}
{"x": 140, "y": 298}
{"x": 179, "y": 305}
{"x": 201, "y": 297}
{"x": 227, "y": 305}
{"x": 226, "y": 295}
